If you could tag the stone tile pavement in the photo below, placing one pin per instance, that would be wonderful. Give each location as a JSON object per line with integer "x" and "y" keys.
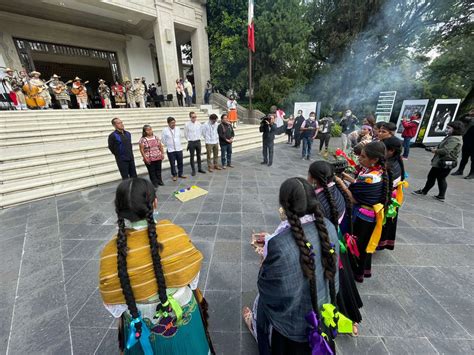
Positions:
{"x": 419, "y": 300}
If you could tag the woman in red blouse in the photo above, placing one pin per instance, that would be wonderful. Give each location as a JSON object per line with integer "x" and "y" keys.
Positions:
{"x": 152, "y": 153}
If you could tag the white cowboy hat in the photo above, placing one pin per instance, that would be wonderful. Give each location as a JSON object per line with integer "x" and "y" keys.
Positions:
{"x": 55, "y": 76}
{"x": 6, "y": 70}
{"x": 34, "y": 72}
{"x": 77, "y": 79}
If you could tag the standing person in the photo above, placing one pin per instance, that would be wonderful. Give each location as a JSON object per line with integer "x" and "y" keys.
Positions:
{"x": 118, "y": 92}
{"x": 467, "y": 146}
{"x": 298, "y": 122}
{"x": 188, "y": 92}
{"x": 232, "y": 110}
{"x": 289, "y": 129}
{"x": 60, "y": 92}
{"x": 226, "y": 138}
{"x": 130, "y": 93}
{"x": 370, "y": 191}
{"x": 138, "y": 92}
{"x": 192, "y": 133}
{"x": 152, "y": 153}
{"x": 148, "y": 279}
{"x": 171, "y": 138}
{"x": 43, "y": 88}
{"x": 409, "y": 131}
{"x": 207, "y": 92}
{"x": 104, "y": 93}
{"x": 120, "y": 145}
{"x": 179, "y": 92}
{"x": 13, "y": 86}
{"x": 268, "y": 129}
{"x": 348, "y": 125}
{"x": 297, "y": 276}
{"x": 386, "y": 130}
{"x": 309, "y": 131}
{"x": 325, "y": 125}
{"x": 79, "y": 89}
{"x": 211, "y": 138}
{"x": 445, "y": 159}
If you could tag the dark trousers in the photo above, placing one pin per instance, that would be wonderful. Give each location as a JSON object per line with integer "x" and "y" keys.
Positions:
{"x": 289, "y": 133}
{"x": 268, "y": 151}
{"x": 207, "y": 95}
{"x": 437, "y": 174}
{"x": 180, "y": 99}
{"x": 176, "y": 157}
{"x": 324, "y": 140}
{"x": 189, "y": 100}
{"x": 466, "y": 154}
{"x": 126, "y": 168}
{"x": 226, "y": 154}
{"x": 194, "y": 147}
{"x": 406, "y": 146}
{"x": 154, "y": 170}
{"x": 297, "y": 138}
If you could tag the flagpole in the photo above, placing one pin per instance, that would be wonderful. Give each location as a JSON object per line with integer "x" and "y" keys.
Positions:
{"x": 250, "y": 85}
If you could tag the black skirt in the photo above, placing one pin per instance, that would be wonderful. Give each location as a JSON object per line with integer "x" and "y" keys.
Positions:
{"x": 281, "y": 345}
{"x": 348, "y": 298}
{"x": 389, "y": 232}
{"x": 362, "y": 266}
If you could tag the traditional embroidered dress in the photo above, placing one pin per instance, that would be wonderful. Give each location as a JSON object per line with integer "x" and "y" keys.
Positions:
{"x": 368, "y": 216}
{"x": 181, "y": 263}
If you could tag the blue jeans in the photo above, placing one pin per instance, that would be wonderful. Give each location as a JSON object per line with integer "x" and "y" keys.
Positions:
{"x": 307, "y": 144}
{"x": 226, "y": 154}
{"x": 406, "y": 146}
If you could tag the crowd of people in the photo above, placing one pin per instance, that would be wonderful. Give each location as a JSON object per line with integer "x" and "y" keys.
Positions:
{"x": 332, "y": 222}
{"x": 29, "y": 91}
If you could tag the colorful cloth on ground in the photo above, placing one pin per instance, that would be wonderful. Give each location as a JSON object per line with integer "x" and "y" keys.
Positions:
{"x": 180, "y": 259}
{"x": 190, "y": 193}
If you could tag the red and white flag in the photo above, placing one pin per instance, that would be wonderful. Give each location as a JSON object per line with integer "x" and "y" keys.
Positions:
{"x": 251, "y": 28}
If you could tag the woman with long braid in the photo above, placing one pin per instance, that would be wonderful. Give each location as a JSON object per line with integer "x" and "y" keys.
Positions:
{"x": 298, "y": 276}
{"x": 148, "y": 278}
{"x": 370, "y": 191}
{"x": 393, "y": 146}
{"x": 337, "y": 207}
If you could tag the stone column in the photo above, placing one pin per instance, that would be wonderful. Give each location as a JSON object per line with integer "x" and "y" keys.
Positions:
{"x": 200, "y": 48}
{"x": 165, "y": 41}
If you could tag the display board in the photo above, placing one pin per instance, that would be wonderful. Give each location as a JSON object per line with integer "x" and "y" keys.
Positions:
{"x": 385, "y": 105}
{"x": 306, "y": 107}
{"x": 409, "y": 107}
{"x": 444, "y": 111}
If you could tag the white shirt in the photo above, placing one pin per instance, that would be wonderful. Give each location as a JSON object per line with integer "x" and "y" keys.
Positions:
{"x": 209, "y": 132}
{"x": 171, "y": 138}
{"x": 232, "y": 105}
{"x": 192, "y": 131}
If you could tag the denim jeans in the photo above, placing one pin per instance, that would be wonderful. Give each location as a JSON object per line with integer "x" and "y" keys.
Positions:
{"x": 226, "y": 154}
{"x": 176, "y": 157}
{"x": 307, "y": 144}
{"x": 406, "y": 146}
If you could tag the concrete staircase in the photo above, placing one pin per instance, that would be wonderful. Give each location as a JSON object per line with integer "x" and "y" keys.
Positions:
{"x": 46, "y": 153}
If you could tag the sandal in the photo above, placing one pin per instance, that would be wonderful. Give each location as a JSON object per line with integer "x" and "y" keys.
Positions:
{"x": 247, "y": 316}
{"x": 355, "y": 329}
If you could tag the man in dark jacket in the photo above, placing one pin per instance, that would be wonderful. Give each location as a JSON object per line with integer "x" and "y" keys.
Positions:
{"x": 348, "y": 125}
{"x": 226, "y": 138}
{"x": 467, "y": 146}
{"x": 268, "y": 129}
{"x": 298, "y": 122}
{"x": 120, "y": 145}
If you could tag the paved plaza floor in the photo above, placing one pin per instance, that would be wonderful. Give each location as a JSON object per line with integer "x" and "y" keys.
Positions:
{"x": 420, "y": 299}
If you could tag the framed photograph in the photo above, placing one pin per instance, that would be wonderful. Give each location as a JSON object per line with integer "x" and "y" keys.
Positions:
{"x": 409, "y": 108}
{"x": 444, "y": 111}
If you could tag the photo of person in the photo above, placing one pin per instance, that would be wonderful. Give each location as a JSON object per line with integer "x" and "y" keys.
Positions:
{"x": 408, "y": 110}
{"x": 444, "y": 111}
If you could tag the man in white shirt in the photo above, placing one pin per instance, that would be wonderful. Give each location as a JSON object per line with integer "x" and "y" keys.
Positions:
{"x": 192, "y": 133}
{"x": 188, "y": 90}
{"x": 211, "y": 137}
{"x": 171, "y": 138}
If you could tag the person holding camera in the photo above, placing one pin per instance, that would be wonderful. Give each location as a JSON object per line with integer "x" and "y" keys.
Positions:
{"x": 268, "y": 129}
{"x": 444, "y": 160}
{"x": 325, "y": 125}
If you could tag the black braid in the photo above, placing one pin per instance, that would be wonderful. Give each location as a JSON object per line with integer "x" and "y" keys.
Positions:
{"x": 306, "y": 260}
{"x": 328, "y": 259}
{"x": 124, "y": 278}
{"x": 156, "y": 247}
{"x": 348, "y": 205}
{"x": 402, "y": 167}
{"x": 332, "y": 204}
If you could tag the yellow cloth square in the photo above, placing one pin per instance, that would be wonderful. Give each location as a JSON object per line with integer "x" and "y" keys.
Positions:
{"x": 190, "y": 193}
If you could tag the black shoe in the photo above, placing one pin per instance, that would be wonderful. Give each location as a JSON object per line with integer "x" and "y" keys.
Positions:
{"x": 469, "y": 177}
{"x": 263, "y": 163}
{"x": 269, "y": 164}
{"x": 201, "y": 171}
{"x": 161, "y": 183}
{"x": 439, "y": 198}
{"x": 193, "y": 173}
{"x": 418, "y": 192}
{"x": 457, "y": 173}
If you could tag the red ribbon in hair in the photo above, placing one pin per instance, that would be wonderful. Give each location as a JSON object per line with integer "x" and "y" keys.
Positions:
{"x": 351, "y": 243}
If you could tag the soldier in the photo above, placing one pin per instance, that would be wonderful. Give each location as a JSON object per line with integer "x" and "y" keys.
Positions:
{"x": 13, "y": 85}
{"x": 42, "y": 88}
{"x": 118, "y": 92}
{"x": 130, "y": 93}
{"x": 138, "y": 92}
{"x": 60, "y": 92}
{"x": 79, "y": 89}
{"x": 104, "y": 93}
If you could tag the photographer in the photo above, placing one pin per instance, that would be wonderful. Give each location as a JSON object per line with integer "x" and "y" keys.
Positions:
{"x": 268, "y": 129}
{"x": 325, "y": 125}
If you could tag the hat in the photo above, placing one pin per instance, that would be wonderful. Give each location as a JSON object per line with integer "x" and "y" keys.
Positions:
{"x": 55, "y": 76}
{"x": 101, "y": 81}
{"x": 126, "y": 80}
{"x": 77, "y": 79}
{"x": 137, "y": 78}
{"x": 34, "y": 72}
{"x": 6, "y": 70}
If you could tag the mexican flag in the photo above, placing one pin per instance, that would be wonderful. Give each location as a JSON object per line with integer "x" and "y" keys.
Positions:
{"x": 251, "y": 28}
